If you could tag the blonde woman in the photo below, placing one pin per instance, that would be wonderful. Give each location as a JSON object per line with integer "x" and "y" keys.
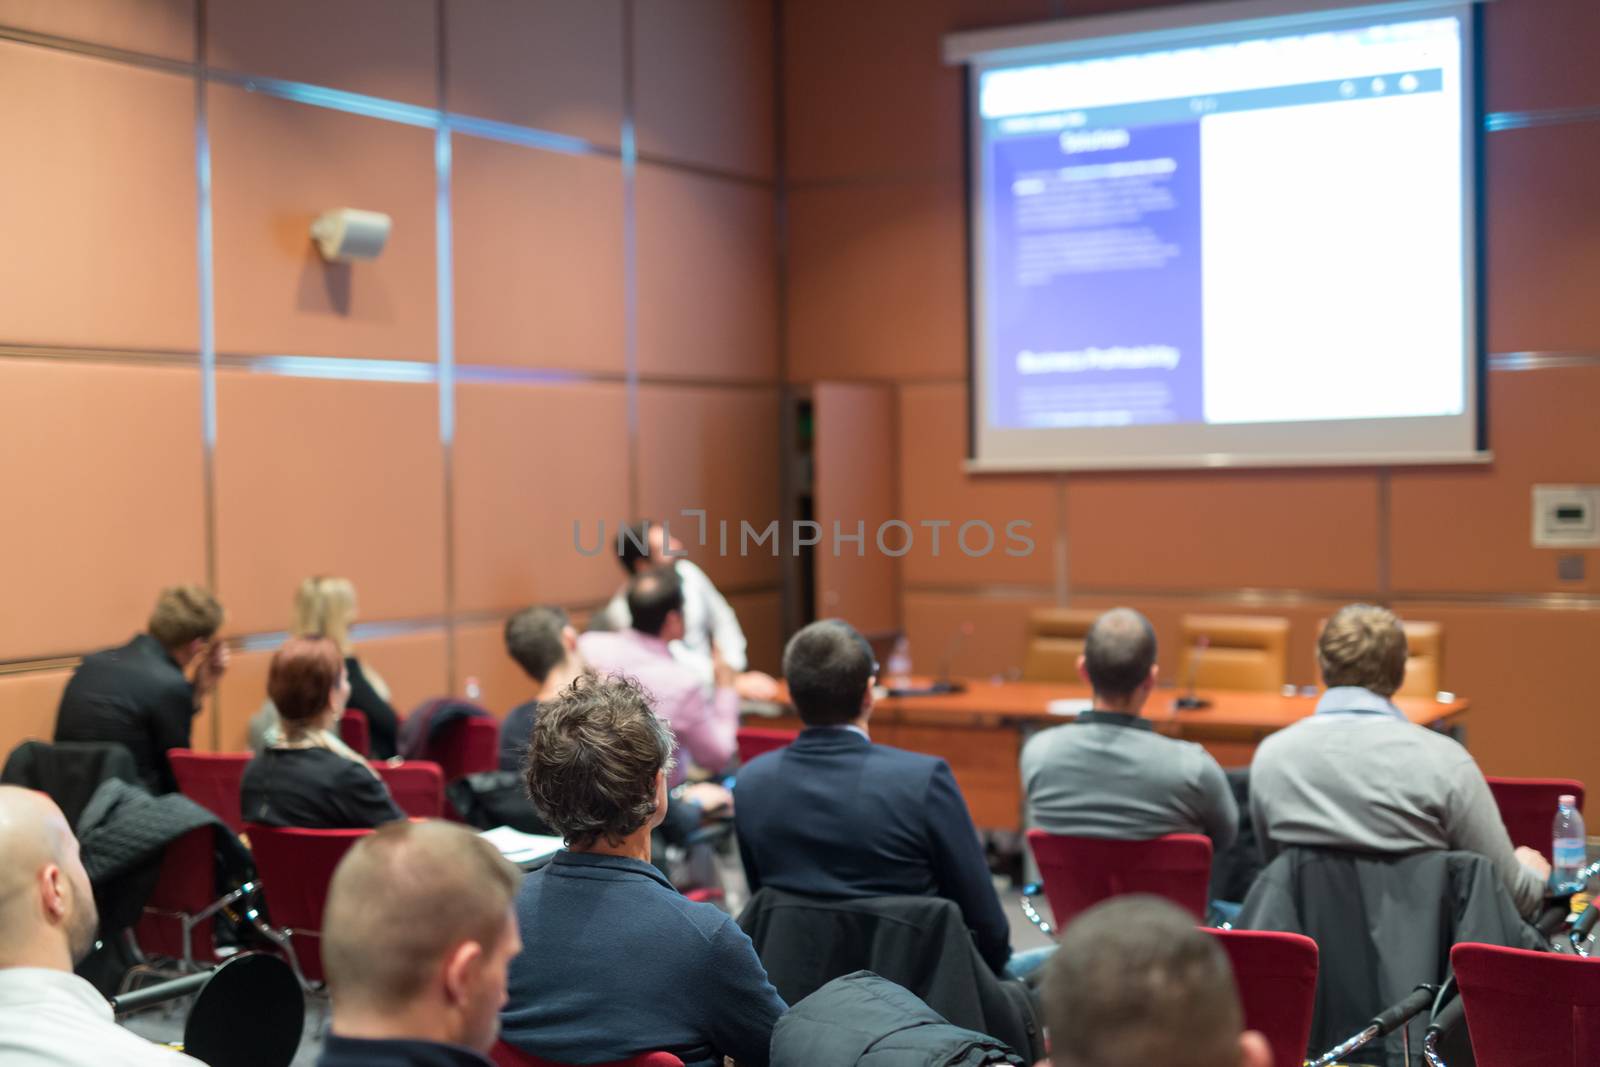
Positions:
{"x": 326, "y": 607}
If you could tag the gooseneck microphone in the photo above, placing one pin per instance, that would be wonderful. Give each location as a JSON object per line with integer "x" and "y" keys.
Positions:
{"x": 1190, "y": 702}
{"x": 951, "y": 647}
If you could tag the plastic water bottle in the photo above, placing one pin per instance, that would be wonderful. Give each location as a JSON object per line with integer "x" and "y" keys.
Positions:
{"x": 475, "y": 692}
{"x": 899, "y": 664}
{"x": 1567, "y": 849}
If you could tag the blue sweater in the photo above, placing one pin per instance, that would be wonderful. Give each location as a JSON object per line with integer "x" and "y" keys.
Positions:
{"x": 616, "y": 962}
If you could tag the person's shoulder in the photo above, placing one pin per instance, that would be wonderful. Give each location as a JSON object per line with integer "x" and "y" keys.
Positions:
{"x": 1046, "y": 741}
{"x": 905, "y": 761}
{"x": 708, "y": 922}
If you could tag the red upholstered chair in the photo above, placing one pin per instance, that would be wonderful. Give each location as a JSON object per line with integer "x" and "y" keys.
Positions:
{"x": 466, "y": 746}
{"x": 755, "y": 741}
{"x": 1528, "y": 807}
{"x": 211, "y": 779}
{"x": 1080, "y": 872}
{"x": 177, "y": 919}
{"x": 416, "y": 785}
{"x": 1277, "y": 978}
{"x": 503, "y": 1055}
{"x": 1529, "y": 1009}
{"x": 356, "y": 731}
{"x": 296, "y": 866}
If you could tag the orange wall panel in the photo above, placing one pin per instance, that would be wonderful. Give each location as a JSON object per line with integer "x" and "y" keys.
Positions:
{"x": 538, "y": 244}
{"x": 103, "y": 489}
{"x": 1469, "y": 529}
{"x": 1542, "y": 238}
{"x": 1221, "y": 530}
{"x": 994, "y": 647}
{"x": 761, "y": 619}
{"x": 551, "y": 64}
{"x": 703, "y": 83}
{"x": 1532, "y": 701}
{"x": 155, "y": 27}
{"x": 530, "y": 461}
{"x": 855, "y": 477}
{"x": 866, "y": 89}
{"x": 97, "y": 203}
{"x": 413, "y": 665}
{"x": 327, "y": 477}
{"x": 28, "y": 703}
{"x": 276, "y": 166}
{"x": 719, "y": 319}
{"x": 715, "y": 449}
{"x": 381, "y": 48}
{"x": 877, "y": 281}
{"x": 240, "y": 694}
{"x": 1539, "y": 54}
{"x": 933, "y": 487}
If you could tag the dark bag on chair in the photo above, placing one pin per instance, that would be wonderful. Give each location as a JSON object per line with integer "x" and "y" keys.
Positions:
{"x": 495, "y": 798}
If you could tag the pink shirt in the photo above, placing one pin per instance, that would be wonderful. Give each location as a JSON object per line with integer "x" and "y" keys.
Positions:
{"x": 705, "y": 726}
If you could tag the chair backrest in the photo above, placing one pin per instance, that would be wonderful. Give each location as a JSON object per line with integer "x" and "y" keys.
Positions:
{"x": 1277, "y": 978}
{"x": 466, "y": 746}
{"x": 1055, "y": 641}
{"x": 416, "y": 785}
{"x": 296, "y": 867}
{"x": 1528, "y": 807}
{"x": 356, "y": 731}
{"x": 755, "y": 741}
{"x": 504, "y": 1055}
{"x": 1243, "y": 652}
{"x": 211, "y": 779}
{"x": 186, "y": 885}
{"x": 1425, "y": 655}
{"x": 1529, "y": 1009}
{"x": 1080, "y": 872}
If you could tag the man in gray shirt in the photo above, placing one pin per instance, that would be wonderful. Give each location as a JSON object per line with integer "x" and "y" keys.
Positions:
{"x": 1359, "y": 775}
{"x": 1109, "y": 774}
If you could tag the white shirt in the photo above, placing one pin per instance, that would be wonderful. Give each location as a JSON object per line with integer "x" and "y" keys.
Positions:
{"x": 707, "y": 618}
{"x": 56, "y": 1019}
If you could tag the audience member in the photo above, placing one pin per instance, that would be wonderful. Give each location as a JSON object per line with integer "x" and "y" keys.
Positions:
{"x": 706, "y": 726}
{"x": 49, "y": 1017}
{"x": 304, "y": 780}
{"x": 544, "y": 644}
{"x": 326, "y": 607}
{"x": 711, "y": 630}
{"x": 418, "y": 935}
{"x": 1136, "y": 983}
{"x": 834, "y": 815}
{"x": 1358, "y": 775}
{"x": 138, "y": 695}
{"x": 1108, "y": 773}
{"x": 619, "y": 963}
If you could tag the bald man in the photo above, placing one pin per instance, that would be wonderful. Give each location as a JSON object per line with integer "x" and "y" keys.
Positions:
{"x": 416, "y": 939}
{"x": 1108, "y": 773}
{"x": 49, "y": 1017}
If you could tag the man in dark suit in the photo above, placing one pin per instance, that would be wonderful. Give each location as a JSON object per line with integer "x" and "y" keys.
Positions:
{"x": 139, "y": 695}
{"x": 834, "y": 815}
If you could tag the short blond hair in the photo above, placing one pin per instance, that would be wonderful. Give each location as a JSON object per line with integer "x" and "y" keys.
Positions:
{"x": 1363, "y": 645}
{"x": 401, "y": 900}
{"x": 184, "y": 613}
{"x": 325, "y": 607}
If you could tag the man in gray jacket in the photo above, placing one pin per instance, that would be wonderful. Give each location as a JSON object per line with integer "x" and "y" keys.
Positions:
{"x": 1358, "y": 775}
{"x": 1109, "y": 774}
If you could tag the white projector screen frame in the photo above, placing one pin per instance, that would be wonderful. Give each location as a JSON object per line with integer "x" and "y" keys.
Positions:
{"x": 1373, "y": 440}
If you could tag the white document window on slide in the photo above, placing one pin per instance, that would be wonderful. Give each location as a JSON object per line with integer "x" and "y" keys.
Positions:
{"x": 1332, "y": 260}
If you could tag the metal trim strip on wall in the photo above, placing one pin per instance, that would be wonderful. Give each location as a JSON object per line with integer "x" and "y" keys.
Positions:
{"x": 1275, "y": 598}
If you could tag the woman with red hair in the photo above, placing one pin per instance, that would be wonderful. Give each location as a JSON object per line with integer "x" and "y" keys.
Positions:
{"x": 300, "y": 780}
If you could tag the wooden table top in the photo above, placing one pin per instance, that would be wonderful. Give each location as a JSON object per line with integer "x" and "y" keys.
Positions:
{"x": 1231, "y": 714}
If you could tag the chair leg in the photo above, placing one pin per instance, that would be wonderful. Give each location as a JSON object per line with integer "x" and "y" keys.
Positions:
{"x": 1029, "y": 892}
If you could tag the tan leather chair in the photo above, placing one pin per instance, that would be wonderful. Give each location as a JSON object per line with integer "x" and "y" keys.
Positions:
{"x": 1245, "y": 652}
{"x": 1425, "y": 643}
{"x": 1055, "y": 641}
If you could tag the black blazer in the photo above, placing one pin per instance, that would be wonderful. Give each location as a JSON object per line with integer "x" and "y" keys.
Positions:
{"x": 833, "y": 815}
{"x": 135, "y": 696}
{"x": 315, "y": 789}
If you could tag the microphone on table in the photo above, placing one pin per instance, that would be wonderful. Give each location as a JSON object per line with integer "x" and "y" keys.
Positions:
{"x": 943, "y": 684}
{"x": 1190, "y": 702}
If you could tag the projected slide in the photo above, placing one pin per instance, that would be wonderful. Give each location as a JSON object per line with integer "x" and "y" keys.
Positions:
{"x": 1265, "y": 230}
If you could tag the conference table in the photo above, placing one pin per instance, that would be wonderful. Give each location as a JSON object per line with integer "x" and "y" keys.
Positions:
{"x": 980, "y": 731}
